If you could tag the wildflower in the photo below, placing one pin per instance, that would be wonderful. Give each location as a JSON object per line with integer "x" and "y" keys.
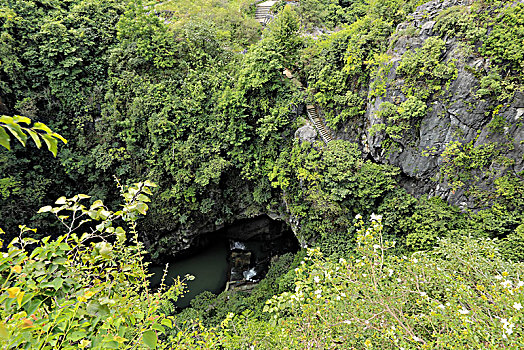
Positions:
{"x": 498, "y": 277}
{"x": 520, "y": 284}
{"x": 415, "y": 338}
{"x": 517, "y": 306}
{"x": 506, "y": 284}
{"x": 318, "y": 293}
{"x": 16, "y": 268}
{"x": 375, "y": 247}
{"x": 375, "y": 217}
{"x": 390, "y": 272}
{"x": 316, "y": 279}
{"x": 442, "y": 307}
{"x": 423, "y": 294}
{"x": 358, "y": 217}
{"x": 464, "y": 311}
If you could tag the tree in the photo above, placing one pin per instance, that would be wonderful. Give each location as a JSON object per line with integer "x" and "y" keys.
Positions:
{"x": 37, "y": 131}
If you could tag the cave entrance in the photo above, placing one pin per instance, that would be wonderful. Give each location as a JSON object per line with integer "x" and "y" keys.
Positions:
{"x": 235, "y": 257}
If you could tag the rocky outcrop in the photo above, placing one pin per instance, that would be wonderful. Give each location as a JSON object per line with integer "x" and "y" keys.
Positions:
{"x": 458, "y": 115}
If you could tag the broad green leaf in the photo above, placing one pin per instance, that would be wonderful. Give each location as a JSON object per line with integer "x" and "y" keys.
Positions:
{"x": 17, "y": 132}
{"x": 52, "y": 143}
{"x": 60, "y": 137}
{"x": 32, "y": 306}
{"x": 42, "y": 126}
{"x": 141, "y": 208}
{"x": 4, "y": 138}
{"x": 21, "y": 119}
{"x": 6, "y": 119}
{"x": 94, "y": 308}
{"x": 45, "y": 209}
{"x": 77, "y": 335}
{"x": 150, "y": 339}
{"x": 97, "y": 204}
{"x": 61, "y": 200}
{"x": 158, "y": 327}
{"x": 83, "y": 196}
{"x": 35, "y": 137}
{"x": 167, "y": 322}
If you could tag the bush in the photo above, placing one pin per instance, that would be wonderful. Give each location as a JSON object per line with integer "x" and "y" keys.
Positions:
{"x": 86, "y": 289}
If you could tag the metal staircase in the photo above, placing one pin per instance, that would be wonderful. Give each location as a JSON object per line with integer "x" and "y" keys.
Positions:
{"x": 315, "y": 118}
{"x": 262, "y": 14}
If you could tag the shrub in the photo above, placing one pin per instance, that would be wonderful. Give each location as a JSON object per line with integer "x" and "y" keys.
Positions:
{"x": 87, "y": 288}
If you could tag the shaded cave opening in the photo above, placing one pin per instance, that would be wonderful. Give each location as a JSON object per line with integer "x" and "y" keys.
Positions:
{"x": 236, "y": 257}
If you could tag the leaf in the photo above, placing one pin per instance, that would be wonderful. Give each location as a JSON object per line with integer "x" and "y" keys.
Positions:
{"x": 13, "y": 291}
{"x": 97, "y": 204}
{"x": 167, "y": 322}
{"x": 61, "y": 200}
{"x": 21, "y": 119}
{"x": 56, "y": 283}
{"x": 52, "y": 143}
{"x": 77, "y": 335}
{"x": 35, "y": 137}
{"x": 19, "y": 298}
{"x": 4, "y": 333}
{"x": 158, "y": 327}
{"x": 94, "y": 308}
{"x": 45, "y": 209}
{"x": 32, "y": 306}
{"x": 83, "y": 196}
{"x": 150, "y": 339}
{"x": 42, "y": 126}
{"x": 17, "y": 132}
{"x": 142, "y": 208}
{"x": 4, "y": 138}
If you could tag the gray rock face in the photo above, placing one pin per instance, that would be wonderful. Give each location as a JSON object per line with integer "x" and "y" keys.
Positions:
{"x": 306, "y": 133}
{"x": 457, "y": 115}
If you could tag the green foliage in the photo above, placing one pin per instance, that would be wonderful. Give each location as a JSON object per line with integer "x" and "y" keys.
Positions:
{"x": 423, "y": 70}
{"x": 38, "y": 132}
{"x": 462, "y": 294}
{"x": 505, "y": 39}
{"x": 325, "y": 188}
{"x": 86, "y": 289}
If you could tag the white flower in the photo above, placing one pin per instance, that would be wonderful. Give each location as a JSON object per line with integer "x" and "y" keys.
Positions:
{"x": 342, "y": 261}
{"x": 316, "y": 279}
{"x": 520, "y": 284}
{"x": 498, "y": 277}
{"x": 399, "y": 280}
{"x": 414, "y": 260}
{"x": 318, "y": 293}
{"x": 506, "y": 284}
{"x": 390, "y": 272}
{"x": 423, "y": 294}
{"x": 358, "y": 217}
{"x": 442, "y": 307}
{"x": 343, "y": 295}
{"x": 464, "y": 311}
{"x": 338, "y": 297}
{"x": 415, "y": 338}
{"x": 375, "y": 217}
{"x": 375, "y": 247}
{"x": 517, "y": 306}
